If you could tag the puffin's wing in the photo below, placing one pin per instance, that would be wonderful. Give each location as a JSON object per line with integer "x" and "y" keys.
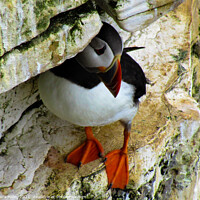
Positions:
{"x": 133, "y": 74}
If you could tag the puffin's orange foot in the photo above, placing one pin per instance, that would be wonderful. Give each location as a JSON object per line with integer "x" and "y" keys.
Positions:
{"x": 87, "y": 152}
{"x": 117, "y": 169}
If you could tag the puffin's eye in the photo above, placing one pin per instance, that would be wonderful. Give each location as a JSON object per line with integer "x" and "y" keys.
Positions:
{"x": 100, "y": 51}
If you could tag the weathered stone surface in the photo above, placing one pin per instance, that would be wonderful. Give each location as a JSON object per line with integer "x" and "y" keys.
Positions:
{"x": 68, "y": 34}
{"x": 22, "y": 20}
{"x": 165, "y": 140}
{"x": 15, "y": 102}
{"x": 136, "y": 15}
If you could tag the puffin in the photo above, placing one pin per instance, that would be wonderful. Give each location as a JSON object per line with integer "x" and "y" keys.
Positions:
{"x": 100, "y": 85}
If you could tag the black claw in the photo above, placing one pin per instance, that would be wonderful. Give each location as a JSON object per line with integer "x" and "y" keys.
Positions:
{"x": 110, "y": 186}
{"x": 100, "y": 154}
{"x": 79, "y": 165}
{"x": 65, "y": 159}
{"x": 104, "y": 160}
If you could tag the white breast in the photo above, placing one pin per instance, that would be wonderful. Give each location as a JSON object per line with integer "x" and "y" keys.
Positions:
{"x": 86, "y": 107}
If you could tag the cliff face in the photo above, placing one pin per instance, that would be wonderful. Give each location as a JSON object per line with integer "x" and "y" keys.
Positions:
{"x": 165, "y": 140}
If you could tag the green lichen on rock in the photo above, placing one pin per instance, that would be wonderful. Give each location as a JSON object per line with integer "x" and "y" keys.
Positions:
{"x": 182, "y": 54}
{"x": 24, "y": 20}
{"x": 196, "y": 83}
{"x": 178, "y": 164}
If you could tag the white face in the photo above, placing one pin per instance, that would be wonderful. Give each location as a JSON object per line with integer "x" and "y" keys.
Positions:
{"x": 89, "y": 58}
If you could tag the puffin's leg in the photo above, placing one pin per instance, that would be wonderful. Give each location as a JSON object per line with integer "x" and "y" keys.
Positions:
{"x": 117, "y": 164}
{"x": 90, "y": 150}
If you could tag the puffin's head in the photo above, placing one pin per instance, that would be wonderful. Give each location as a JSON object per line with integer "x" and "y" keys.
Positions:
{"x": 102, "y": 56}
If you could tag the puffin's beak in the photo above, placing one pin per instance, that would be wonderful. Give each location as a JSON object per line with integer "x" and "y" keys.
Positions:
{"x": 112, "y": 76}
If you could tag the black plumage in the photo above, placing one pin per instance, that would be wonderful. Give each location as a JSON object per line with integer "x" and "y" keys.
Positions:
{"x": 74, "y": 72}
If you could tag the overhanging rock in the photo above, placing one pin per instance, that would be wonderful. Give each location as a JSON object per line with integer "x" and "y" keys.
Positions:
{"x": 68, "y": 34}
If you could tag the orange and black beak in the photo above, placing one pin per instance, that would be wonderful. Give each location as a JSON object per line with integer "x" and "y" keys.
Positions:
{"x": 112, "y": 76}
